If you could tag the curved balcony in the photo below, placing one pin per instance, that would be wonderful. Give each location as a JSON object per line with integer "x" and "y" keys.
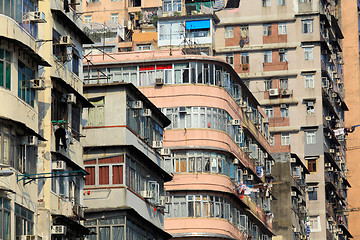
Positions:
{"x": 206, "y": 138}
{"x": 219, "y": 183}
{"x": 24, "y": 113}
{"x": 203, "y": 227}
{"x": 13, "y": 32}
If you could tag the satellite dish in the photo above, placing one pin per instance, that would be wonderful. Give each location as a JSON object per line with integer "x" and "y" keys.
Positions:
{"x": 242, "y": 43}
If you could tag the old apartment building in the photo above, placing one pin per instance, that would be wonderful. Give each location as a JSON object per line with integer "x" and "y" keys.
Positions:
{"x": 216, "y": 146}
{"x": 19, "y": 116}
{"x": 123, "y": 135}
{"x": 288, "y": 53}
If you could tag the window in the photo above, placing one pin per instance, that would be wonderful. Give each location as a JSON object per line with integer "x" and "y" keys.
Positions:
{"x": 307, "y": 26}
{"x": 315, "y": 224}
{"x": 283, "y": 55}
{"x": 311, "y": 165}
{"x": 271, "y": 139}
{"x": 281, "y": 2}
{"x": 5, "y": 69}
{"x": 311, "y": 137}
{"x": 134, "y": 3}
{"x": 312, "y": 193}
{"x": 244, "y": 58}
{"x": 144, "y": 47}
{"x": 244, "y": 32}
{"x": 282, "y": 28}
{"x": 96, "y": 114}
{"x": 269, "y": 112}
{"x": 5, "y": 224}
{"x": 284, "y": 110}
{"x": 308, "y": 53}
{"x": 285, "y": 138}
{"x": 284, "y": 83}
{"x": 88, "y": 19}
{"x": 25, "y": 74}
{"x": 114, "y": 17}
{"x": 230, "y": 58}
{"x": 309, "y": 81}
{"x": 172, "y": 6}
{"x": 266, "y": 3}
{"x": 310, "y": 109}
{"x": 267, "y": 56}
{"x": 268, "y": 84}
{"x": 229, "y": 32}
{"x": 24, "y": 221}
{"x": 267, "y": 29}
{"x": 75, "y": 61}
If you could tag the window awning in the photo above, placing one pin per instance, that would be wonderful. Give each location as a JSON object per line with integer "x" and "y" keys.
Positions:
{"x": 199, "y": 24}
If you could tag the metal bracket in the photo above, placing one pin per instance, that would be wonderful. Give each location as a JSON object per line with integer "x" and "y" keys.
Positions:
{"x": 28, "y": 178}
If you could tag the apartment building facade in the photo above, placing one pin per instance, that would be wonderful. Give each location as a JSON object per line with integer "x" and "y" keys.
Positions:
{"x": 124, "y": 134}
{"x": 289, "y": 54}
{"x": 350, "y": 44}
{"x": 19, "y": 115}
{"x": 216, "y": 145}
{"x": 60, "y": 178}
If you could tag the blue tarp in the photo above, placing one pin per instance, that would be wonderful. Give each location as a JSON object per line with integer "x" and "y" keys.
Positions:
{"x": 199, "y": 24}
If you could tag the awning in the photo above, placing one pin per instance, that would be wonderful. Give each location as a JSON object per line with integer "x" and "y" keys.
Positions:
{"x": 28, "y": 131}
{"x": 34, "y": 56}
{"x": 199, "y": 24}
{"x": 73, "y": 227}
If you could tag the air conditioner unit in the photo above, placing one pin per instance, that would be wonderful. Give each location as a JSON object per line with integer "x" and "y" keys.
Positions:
{"x": 265, "y": 120}
{"x": 147, "y": 194}
{"x": 58, "y": 229}
{"x": 159, "y": 81}
{"x": 338, "y": 125}
{"x": 65, "y": 40}
{"x": 266, "y": 155}
{"x": 282, "y": 105}
{"x": 273, "y": 92}
{"x": 286, "y": 92}
{"x": 331, "y": 169}
{"x": 293, "y": 160}
{"x": 330, "y": 219}
{"x": 338, "y": 154}
{"x": 328, "y": 118}
{"x": 165, "y": 152}
{"x": 70, "y": 98}
{"x": 32, "y": 141}
{"x": 138, "y": 105}
{"x": 331, "y": 150}
{"x": 167, "y": 199}
{"x": 37, "y": 84}
{"x": 147, "y": 113}
{"x": 236, "y": 161}
{"x": 303, "y": 236}
{"x": 293, "y": 194}
{"x": 302, "y": 209}
{"x": 36, "y": 17}
{"x": 281, "y": 51}
{"x": 327, "y": 164}
{"x": 59, "y": 165}
{"x": 157, "y": 144}
{"x": 310, "y": 189}
{"x": 341, "y": 62}
{"x": 236, "y": 122}
{"x": 245, "y": 172}
{"x": 161, "y": 202}
{"x": 334, "y": 95}
{"x": 250, "y": 177}
{"x": 296, "y": 230}
{"x": 182, "y": 110}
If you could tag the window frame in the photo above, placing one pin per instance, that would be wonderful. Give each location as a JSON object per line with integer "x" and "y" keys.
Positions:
{"x": 229, "y": 32}
{"x": 282, "y": 28}
{"x": 309, "y": 80}
{"x": 285, "y": 139}
{"x": 307, "y": 26}
{"x": 268, "y": 56}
